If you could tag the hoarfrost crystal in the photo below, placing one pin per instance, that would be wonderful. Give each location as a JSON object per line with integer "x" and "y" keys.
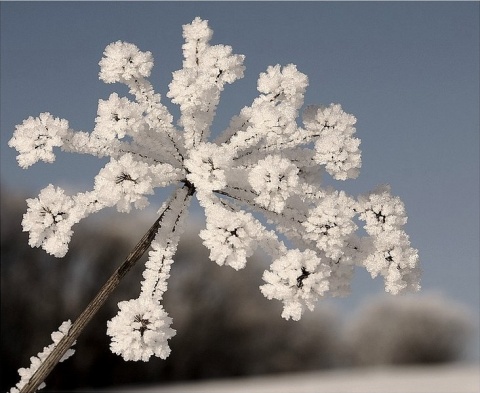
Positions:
{"x": 36, "y": 361}
{"x": 35, "y": 139}
{"x": 263, "y": 165}
{"x": 141, "y": 329}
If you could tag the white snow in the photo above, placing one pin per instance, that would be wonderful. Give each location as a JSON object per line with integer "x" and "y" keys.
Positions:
{"x": 453, "y": 378}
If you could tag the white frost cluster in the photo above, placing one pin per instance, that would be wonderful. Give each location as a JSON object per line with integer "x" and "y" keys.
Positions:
{"x": 118, "y": 117}
{"x": 298, "y": 279}
{"x": 231, "y": 236}
{"x": 335, "y": 147}
{"x": 35, "y": 139}
{"x": 49, "y": 219}
{"x": 140, "y": 329}
{"x": 258, "y": 183}
{"x": 123, "y": 62}
{"x": 274, "y": 179}
{"x": 392, "y": 256}
{"x": 36, "y": 361}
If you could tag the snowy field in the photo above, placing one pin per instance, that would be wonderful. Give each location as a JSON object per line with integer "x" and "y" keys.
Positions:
{"x": 456, "y": 378}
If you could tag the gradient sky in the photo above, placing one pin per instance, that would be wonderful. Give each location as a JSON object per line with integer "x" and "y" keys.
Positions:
{"x": 409, "y": 72}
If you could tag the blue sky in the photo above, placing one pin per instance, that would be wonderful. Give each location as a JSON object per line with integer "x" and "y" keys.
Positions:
{"x": 409, "y": 72}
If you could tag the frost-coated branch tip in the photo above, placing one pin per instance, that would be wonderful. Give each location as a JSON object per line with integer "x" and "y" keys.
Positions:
{"x": 36, "y": 361}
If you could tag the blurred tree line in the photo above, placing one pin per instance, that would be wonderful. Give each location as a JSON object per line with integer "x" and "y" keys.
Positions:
{"x": 225, "y": 327}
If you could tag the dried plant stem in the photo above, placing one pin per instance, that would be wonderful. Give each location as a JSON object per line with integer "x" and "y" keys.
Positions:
{"x": 66, "y": 342}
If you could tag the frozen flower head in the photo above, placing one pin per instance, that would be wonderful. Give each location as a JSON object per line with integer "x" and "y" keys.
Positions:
{"x": 330, "y": 223}
{"x": 118, "y": 117}
{"x": 230, "y": 237}
{"x": 123, "y": 182}
{"x": 381, "y": 211}
{"x": 258, "y": 183}
{"x": 274, "y": 179}
{"x": 298, "y": 279}
{"x": 395, "y": 260}
{"x": 140, "y": 330}
{"x": 287, "y": 84}
{"x": 49, "y": 220}
{"x": 124, "y": 61}
{"x": 336, "y": 148}
{"x": 35, "y": 139}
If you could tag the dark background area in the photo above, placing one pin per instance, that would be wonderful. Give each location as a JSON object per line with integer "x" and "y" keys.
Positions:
{"x": 225, "y": 327}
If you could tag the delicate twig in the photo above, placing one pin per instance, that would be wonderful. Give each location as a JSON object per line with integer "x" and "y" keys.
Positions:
{"x": 66, "y": 342}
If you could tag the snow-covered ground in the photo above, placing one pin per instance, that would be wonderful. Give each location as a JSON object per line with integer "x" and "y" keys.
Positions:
{"x": 452, "y": 378}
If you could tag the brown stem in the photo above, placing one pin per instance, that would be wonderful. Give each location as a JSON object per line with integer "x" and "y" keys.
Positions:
{"x": 67, "y": 341}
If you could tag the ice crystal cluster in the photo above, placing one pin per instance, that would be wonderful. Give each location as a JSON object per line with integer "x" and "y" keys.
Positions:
{"x": 258, "y": 183}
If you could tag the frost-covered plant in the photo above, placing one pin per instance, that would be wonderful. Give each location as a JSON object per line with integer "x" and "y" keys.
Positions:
{"x": 263, "y": 165}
